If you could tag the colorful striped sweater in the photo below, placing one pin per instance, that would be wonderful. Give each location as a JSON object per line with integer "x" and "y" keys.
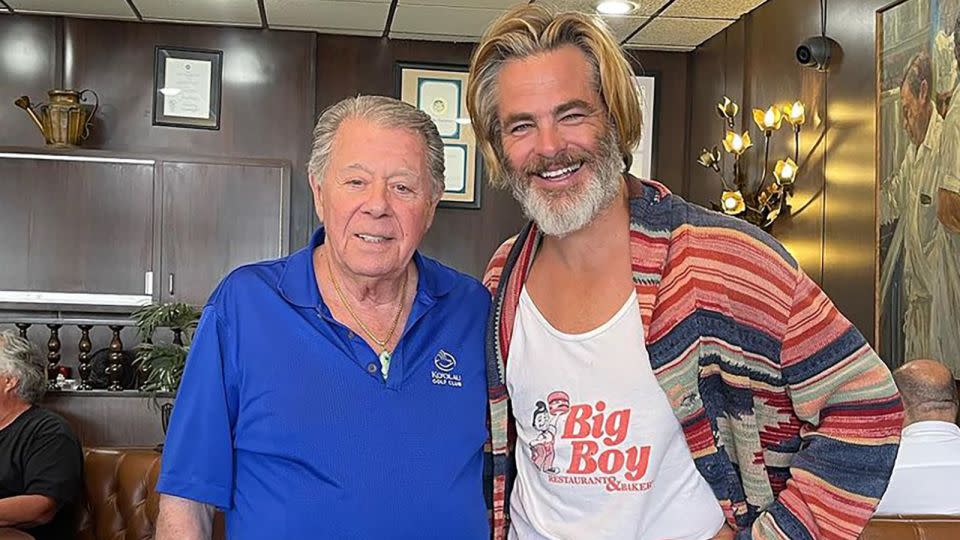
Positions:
{"x": 790, "y": 416}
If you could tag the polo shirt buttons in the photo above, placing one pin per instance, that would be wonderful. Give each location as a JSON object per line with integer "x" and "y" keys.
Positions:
{"x": 350, "y": 335}
{"x": 371, "y": 368}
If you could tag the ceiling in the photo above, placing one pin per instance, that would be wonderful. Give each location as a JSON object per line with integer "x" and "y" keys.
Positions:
{"x": 679, "y": 25}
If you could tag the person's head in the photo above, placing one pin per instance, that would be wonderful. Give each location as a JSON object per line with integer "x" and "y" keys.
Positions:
{"x": 376, "y": 173}
{"x": 928, "y": 391}
{"x": 23, "y": 372}
{"x": 915, "y": 97}
{"x": 541, "y": 418}
{"x": 554, "y": 105}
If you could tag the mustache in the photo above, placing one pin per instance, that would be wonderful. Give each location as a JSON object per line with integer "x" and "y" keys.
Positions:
{"x": 559, "y": 161}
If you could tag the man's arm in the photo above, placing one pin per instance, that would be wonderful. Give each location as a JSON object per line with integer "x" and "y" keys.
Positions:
{"x": 893, "y": 190}
{"x": 27, "y": 511}
{"x": 852, "y": 416}
{"x": 948, "y": 210}
{"x": 183, "y": 519}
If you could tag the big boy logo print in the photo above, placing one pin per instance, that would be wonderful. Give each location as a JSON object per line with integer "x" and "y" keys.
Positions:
{"x": 596, "y": 435}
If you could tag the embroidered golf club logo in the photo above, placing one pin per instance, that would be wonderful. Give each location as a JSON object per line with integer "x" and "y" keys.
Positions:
{"x": 445, "y": 363}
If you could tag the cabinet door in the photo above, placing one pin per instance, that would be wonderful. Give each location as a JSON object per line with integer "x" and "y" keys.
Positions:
{"x": 75, "y": 229}
{"x": 217, "y": 217}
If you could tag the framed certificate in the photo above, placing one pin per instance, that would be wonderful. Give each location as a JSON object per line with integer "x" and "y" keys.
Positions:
{"x": 186, "y": 87}
{"x": 440, "y": 91}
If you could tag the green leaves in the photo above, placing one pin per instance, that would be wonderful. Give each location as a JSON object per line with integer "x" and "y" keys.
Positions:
{"x": 164, "y": 362}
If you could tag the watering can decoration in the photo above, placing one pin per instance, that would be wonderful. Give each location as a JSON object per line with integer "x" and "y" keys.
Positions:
{"x": 64, "y": 121}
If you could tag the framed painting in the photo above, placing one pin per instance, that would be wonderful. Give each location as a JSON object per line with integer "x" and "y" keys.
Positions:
{"x": 918, "y": 182}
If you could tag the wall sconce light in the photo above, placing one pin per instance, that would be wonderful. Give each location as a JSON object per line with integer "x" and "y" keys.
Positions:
{"x": 761, "y": 202}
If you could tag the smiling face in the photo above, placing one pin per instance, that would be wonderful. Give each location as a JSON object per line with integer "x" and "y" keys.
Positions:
{"x": 375, "y": 198}
{"x": 559, "y": 149}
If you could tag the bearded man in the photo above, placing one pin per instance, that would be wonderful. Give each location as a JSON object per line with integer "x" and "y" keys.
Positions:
{"x": 711, "y": 389}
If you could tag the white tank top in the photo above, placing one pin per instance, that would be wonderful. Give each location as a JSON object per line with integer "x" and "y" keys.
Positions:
{"x": 600, "y": 454}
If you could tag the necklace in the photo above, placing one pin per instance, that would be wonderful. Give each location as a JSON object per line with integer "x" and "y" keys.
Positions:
{"x": 382, "y": 343}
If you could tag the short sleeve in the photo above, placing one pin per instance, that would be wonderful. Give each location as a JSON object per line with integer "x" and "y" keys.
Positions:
{"x": 54, "y": 467}
{"x": 198, "y": 452}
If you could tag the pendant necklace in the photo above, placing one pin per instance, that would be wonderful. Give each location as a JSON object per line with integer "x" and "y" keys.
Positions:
{"x": 384, "y": 355}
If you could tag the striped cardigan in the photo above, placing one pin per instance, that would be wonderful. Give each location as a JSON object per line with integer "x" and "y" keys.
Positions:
{"x": 790, "y": 416}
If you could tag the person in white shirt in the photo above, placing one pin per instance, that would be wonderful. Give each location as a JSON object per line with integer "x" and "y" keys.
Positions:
{"x": 910, "y": 198}
{"x": 927, "y": 470}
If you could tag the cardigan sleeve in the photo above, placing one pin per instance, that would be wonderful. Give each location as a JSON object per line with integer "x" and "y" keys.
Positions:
{"x": 852, "y": 415}
{"x": 491, "y": 276}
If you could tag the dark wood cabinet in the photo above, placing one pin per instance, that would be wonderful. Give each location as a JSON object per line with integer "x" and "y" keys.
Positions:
{"x": 89, "y": 229}
{"x": 73, "y": 226}
{"x": 217, "y": 216}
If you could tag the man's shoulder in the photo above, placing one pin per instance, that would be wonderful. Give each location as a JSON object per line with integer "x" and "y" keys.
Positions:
{"x": 491, "y": 276}
{"x": 452, "y": 282}
{"x": 693, "y": 225}
{"x": 249, "y": 280}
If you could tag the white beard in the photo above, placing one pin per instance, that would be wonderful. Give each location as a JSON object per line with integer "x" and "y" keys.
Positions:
{"x": 563, "y": 212}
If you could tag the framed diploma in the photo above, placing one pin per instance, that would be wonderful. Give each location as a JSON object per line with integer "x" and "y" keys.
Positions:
{"x": 186, "y": 87}
{"x": 440, "y": 91}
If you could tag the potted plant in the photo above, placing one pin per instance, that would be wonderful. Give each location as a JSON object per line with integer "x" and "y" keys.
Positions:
{"x": 161, "y": 363}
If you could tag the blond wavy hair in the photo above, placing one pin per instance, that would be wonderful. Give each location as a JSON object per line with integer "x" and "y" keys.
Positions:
{"x": 533, "y": 29}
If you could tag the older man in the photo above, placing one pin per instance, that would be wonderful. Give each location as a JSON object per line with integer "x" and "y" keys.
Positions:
{"x": 909, "y": 197}
{"x": 340, "y": 392}
{"x": 670, "y": 372}
{"x": 927, "y": 472}
{"x": 41, "y": 464}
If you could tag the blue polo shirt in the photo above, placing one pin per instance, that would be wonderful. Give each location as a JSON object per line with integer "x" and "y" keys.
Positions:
{"x": 284, "y": 420}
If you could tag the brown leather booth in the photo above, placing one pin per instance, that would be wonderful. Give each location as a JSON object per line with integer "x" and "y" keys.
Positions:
{"x": 120, "y": 503}
{"x": 119, "y": 500}
{"x": 912, "y": 528}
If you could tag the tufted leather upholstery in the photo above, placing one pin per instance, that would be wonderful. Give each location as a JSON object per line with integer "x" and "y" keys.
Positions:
{"x": 119, "y": 501}
{"x": 912, "y": 528}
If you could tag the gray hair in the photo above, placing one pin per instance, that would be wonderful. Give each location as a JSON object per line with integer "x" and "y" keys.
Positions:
{"x": 20, "y": 359}
{"x": 385, "y": 112}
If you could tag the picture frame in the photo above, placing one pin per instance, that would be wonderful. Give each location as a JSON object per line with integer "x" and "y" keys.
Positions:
{"x": 440, "y": 91}
{"x": 187, "y": 86}
{"x": 645, "y": 153}
{"x": 914, "y": 243}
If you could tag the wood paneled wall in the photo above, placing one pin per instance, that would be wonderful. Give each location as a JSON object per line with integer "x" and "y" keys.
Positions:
{"x": 29, "y": 50}
{"x": 275, "y": 84}
{"x": 832, "y": 231}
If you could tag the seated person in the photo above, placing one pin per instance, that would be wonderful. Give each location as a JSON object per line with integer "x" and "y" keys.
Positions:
{"x": 41, "y": 463}
{"x": 927, "y": 471}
